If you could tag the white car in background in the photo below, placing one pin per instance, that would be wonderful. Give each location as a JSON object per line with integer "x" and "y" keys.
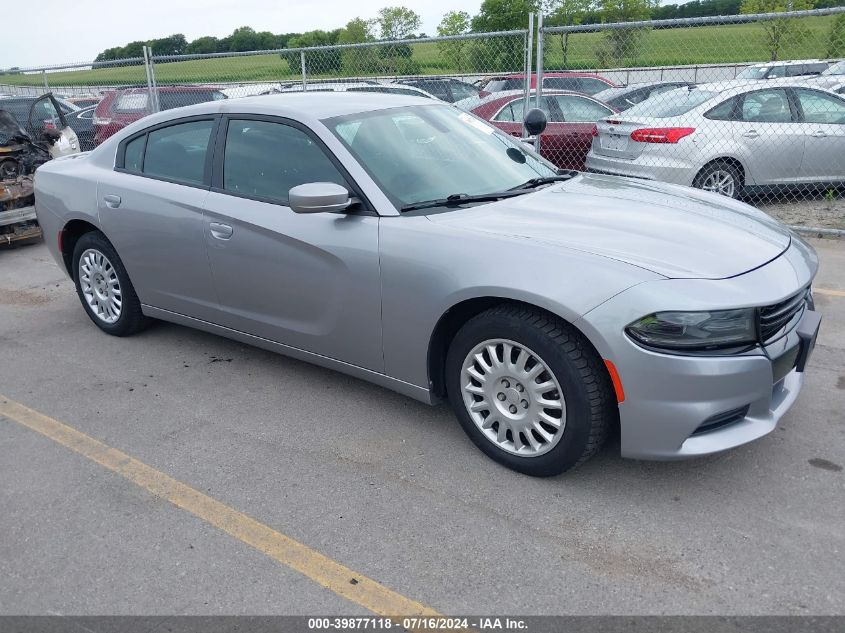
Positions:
{"x": 778, "y": 70}
{"x": 833, "y": 78}
{"x": 727, "y": 139}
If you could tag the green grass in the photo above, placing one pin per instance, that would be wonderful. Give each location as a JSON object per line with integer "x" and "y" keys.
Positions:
{"x": 704, "y": 45}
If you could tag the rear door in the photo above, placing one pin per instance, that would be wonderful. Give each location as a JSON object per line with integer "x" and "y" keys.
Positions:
{"x": 574, "y": 119}
{"x": 770, "y": 137}
{"x": 823, "y": 123}
{"x": 151, "y": 208}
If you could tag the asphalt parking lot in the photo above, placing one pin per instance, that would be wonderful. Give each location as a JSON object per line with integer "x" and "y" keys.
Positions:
{"x": 384, "y": 486}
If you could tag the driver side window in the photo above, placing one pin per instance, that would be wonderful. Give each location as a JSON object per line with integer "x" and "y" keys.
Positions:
{"x": 264, "y": 160}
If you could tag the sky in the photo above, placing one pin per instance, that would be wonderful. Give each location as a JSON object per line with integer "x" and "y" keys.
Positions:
{"x": 89, "y": 26}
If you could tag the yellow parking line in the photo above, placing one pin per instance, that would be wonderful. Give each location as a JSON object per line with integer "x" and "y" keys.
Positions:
{"x": 326, "y": 572}
{"x": 829, "y": 292}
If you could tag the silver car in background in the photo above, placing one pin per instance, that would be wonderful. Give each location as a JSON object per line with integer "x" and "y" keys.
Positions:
{"x": 728, "y": 137}
{"x": 412, "y": 245}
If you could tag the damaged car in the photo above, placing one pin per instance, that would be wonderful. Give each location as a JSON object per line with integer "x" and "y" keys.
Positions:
{"x": 21, "y": 153}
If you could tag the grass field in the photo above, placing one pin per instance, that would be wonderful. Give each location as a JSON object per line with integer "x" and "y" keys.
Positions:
{"x": 666, "y": 47}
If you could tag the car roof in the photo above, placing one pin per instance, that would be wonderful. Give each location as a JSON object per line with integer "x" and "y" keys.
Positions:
{"x": 567, "y": 73}
{"x": 615, "y": 91}
{"x": 789, "y": 62}
{"x": 300, "y": 105}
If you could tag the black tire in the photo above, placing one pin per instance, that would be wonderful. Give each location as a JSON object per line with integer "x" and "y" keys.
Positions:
{"x": 131, "y": 319}
{"x": 721, "y": 166}
{"x": 591, "y": 408}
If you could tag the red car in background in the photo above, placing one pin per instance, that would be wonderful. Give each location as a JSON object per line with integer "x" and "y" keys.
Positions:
{"x": 571, "y": 124}
{"x": 586, "y": 83}
{"x": 119, "y": 108}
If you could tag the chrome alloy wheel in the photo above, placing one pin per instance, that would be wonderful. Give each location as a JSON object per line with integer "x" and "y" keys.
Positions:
{"x": 720, "y": 181}
{"x": 100, "y": 285}
{"x": 513, "y": 397}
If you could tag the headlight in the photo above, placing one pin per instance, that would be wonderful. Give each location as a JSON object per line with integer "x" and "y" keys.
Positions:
{"x": 696, "y": 330}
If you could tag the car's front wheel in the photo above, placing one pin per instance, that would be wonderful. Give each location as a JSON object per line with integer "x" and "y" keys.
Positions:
{"x": 529, "y": 390}
{"x": 103, "y": 286}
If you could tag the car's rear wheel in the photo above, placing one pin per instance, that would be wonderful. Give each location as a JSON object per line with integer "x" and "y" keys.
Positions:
{"x": 529, "y": 390}
{"x": 104, "y": 288}
{"x": 720, "y": 177}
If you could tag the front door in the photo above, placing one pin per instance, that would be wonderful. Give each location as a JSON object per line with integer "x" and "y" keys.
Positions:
{"x": 310, "y": 281}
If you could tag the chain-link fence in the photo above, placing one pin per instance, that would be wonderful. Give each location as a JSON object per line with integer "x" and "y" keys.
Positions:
{"x": 747, "y": 106}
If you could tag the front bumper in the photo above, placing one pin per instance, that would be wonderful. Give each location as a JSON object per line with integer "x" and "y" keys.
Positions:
{"x": 18, "y": 224}
{"x": 669, "y": 397}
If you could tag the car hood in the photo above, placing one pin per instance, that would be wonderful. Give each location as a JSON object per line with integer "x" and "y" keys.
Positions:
{"x": 671, "y": 230}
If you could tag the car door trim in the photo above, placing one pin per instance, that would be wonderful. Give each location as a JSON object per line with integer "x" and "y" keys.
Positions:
{"x": 120, "y": 156}
{"x": 216, "y": 181}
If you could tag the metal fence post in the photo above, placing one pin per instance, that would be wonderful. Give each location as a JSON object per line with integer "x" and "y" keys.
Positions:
{"x": 44, "y": 79}
{"x": 148, "y": 71}
{"x": 304, "y": 72}
{"x": 539, "y": 90}
{"x": 529, "y": 44}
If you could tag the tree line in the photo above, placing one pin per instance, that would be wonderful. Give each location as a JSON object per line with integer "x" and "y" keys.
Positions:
{"x": 400, "y": 22}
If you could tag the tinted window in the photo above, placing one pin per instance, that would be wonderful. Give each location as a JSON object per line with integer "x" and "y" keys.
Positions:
{"x": 463, "y": 91}
{"x": 178, "y": 152}
{"x": 497, "y": 85}
{"x": 265, "y": 160}
{"x": 769, "y": 106}
{"x": 672, "y": 103}
{"x": 837, "y": 69}
{"x": 753, "y": 72}
{"x": 821, "y": 108}
{"x": 723, "y": 112}
{"x": 437, "y": 88}
{"x": 169, "y": 100}
{"x": 805, "y": 69}
{"x": 577, "y": 109}
{"x": 134, "y": 154}
{"x": 588, "y": 85}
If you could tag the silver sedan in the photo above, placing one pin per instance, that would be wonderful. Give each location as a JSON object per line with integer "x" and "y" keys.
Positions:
{"x": 728, "y": 138}
{"x": 412, "y": 245}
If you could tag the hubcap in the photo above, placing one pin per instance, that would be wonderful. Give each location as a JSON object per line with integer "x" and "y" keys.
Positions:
{"x": 513, "y": 397}
{"x": 100, "y": 285}
{"x": 720, "y": 181}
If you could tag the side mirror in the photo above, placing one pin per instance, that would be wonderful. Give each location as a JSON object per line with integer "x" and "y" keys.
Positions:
{"x": 535, "y": 121}
{"x": 318, "y": 197}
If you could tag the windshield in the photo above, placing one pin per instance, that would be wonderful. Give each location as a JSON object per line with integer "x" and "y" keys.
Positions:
{"x": 672, "y": 103}
{"x": 753, "y": 72}
{"x": 421, "y": 153}
{"x": 837, "y": 69}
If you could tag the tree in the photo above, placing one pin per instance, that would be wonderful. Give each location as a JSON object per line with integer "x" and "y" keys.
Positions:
{"x": 781, "y": 32}
{"x": 201, "y": 45}
{"x": 316, "y": 62}
{"x": 454, "y": 23}
{"x": 397, "y": 23}
{"x": 620, "y": 44}
{"x": 363, "y": 60}
{"x": 504, "y": 15}
{"x": 244, "y": 39}
{"x": 172, "y": 45}
{"x": 567, "y": 13}
{"x": 836, "y": 39}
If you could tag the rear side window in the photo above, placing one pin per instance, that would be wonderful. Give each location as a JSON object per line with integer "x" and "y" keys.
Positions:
{"x": 264, "y": 160}
{"x": 133, "y": 158}
{"x": 178, "y": 152}
{"x": 723, "y": 112}
{"x": 463, "y": 91}
{"x": 588, "y": 85}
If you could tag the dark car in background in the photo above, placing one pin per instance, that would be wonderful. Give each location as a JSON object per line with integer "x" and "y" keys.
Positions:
{"x": 571, "y": 122}
{"x": 119, "y": 108}
{"x": 44, "y": 116}
{"x": 624, "y": 97}
{"x": 445, "y": 88}
{"x": 586, "y": 83}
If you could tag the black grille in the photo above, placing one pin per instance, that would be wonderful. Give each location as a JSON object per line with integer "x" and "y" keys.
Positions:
{"x": 774, "y": 317}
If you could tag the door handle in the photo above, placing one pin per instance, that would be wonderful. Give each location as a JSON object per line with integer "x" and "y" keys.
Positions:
{"x": 221, "y": 231}
{"x": 818, "y": 134}
{"x": 112, "y": 200}
{"x": 751, "y": 134}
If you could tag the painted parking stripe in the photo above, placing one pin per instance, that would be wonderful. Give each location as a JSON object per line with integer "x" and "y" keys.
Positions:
{"x": 829, "y": 292}
{"x": 326, "y": 572}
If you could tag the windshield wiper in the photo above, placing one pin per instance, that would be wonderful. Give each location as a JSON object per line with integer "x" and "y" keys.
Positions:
{"x": 545, "y": 180}
{"x": 458, "y": 199}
